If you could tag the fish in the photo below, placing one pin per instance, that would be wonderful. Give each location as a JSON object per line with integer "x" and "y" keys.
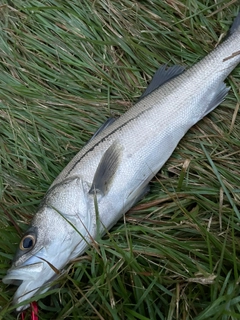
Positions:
{"x": 112, "y": 171}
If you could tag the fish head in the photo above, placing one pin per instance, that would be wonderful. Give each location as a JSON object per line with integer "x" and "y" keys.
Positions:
{"x": 58, "y": 233}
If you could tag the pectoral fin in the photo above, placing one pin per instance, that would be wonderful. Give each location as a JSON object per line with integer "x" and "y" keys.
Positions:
{"x": 106, "y": 170}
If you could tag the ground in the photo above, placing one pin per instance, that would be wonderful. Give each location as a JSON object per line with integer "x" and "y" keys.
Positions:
{"x": 67, "y": 66}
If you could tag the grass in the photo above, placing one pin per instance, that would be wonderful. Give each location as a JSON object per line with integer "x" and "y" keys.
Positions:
{"x": 65, "y": 67}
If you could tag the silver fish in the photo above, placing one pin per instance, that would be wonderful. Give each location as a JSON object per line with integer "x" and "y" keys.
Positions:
{"x": 111, "y": 173}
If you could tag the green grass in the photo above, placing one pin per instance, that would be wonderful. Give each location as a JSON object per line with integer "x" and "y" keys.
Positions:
{"x": 65, "y": 67}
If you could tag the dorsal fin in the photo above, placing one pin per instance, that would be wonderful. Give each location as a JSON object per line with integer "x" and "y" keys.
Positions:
{"x": 235, "y": 25}
{"x": 161, "y": 76}
{"x": 106, "y": 124}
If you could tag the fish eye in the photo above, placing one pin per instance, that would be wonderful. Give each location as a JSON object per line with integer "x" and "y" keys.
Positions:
{"x": 27, "y": 242}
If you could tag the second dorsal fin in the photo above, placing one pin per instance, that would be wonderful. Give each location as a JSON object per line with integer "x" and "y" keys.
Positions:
{"x": 161, "y": 76}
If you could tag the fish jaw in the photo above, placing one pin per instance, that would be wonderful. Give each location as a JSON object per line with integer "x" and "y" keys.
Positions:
{"x": 36, "y": 274}
{"x": 25, "y": 277}
{"x": 66, "y": 234}
{"x": 32, "y": 277}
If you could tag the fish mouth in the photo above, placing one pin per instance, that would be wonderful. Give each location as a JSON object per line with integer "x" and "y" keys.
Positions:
{"x": 30, "y": 279}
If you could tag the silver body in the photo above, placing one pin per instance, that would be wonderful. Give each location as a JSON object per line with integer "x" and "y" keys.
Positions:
{"x": 144, "y": 138}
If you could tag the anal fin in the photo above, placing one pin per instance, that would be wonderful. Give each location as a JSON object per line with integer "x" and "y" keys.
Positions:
{"x": 217, "y": 98}
{"x": 138, "y": 194}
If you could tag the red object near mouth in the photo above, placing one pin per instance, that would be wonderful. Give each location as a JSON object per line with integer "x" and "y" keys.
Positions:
{"x": 34, "y": 312}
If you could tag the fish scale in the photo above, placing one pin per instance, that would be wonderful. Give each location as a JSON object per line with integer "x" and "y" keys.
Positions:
{"x": 112, "y": 171}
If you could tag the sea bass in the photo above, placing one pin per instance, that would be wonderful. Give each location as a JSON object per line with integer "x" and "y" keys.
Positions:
{"x": 112, "y": 171}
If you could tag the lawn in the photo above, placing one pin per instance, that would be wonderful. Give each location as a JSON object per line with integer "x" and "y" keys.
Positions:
{"x": 67, "y": 66}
